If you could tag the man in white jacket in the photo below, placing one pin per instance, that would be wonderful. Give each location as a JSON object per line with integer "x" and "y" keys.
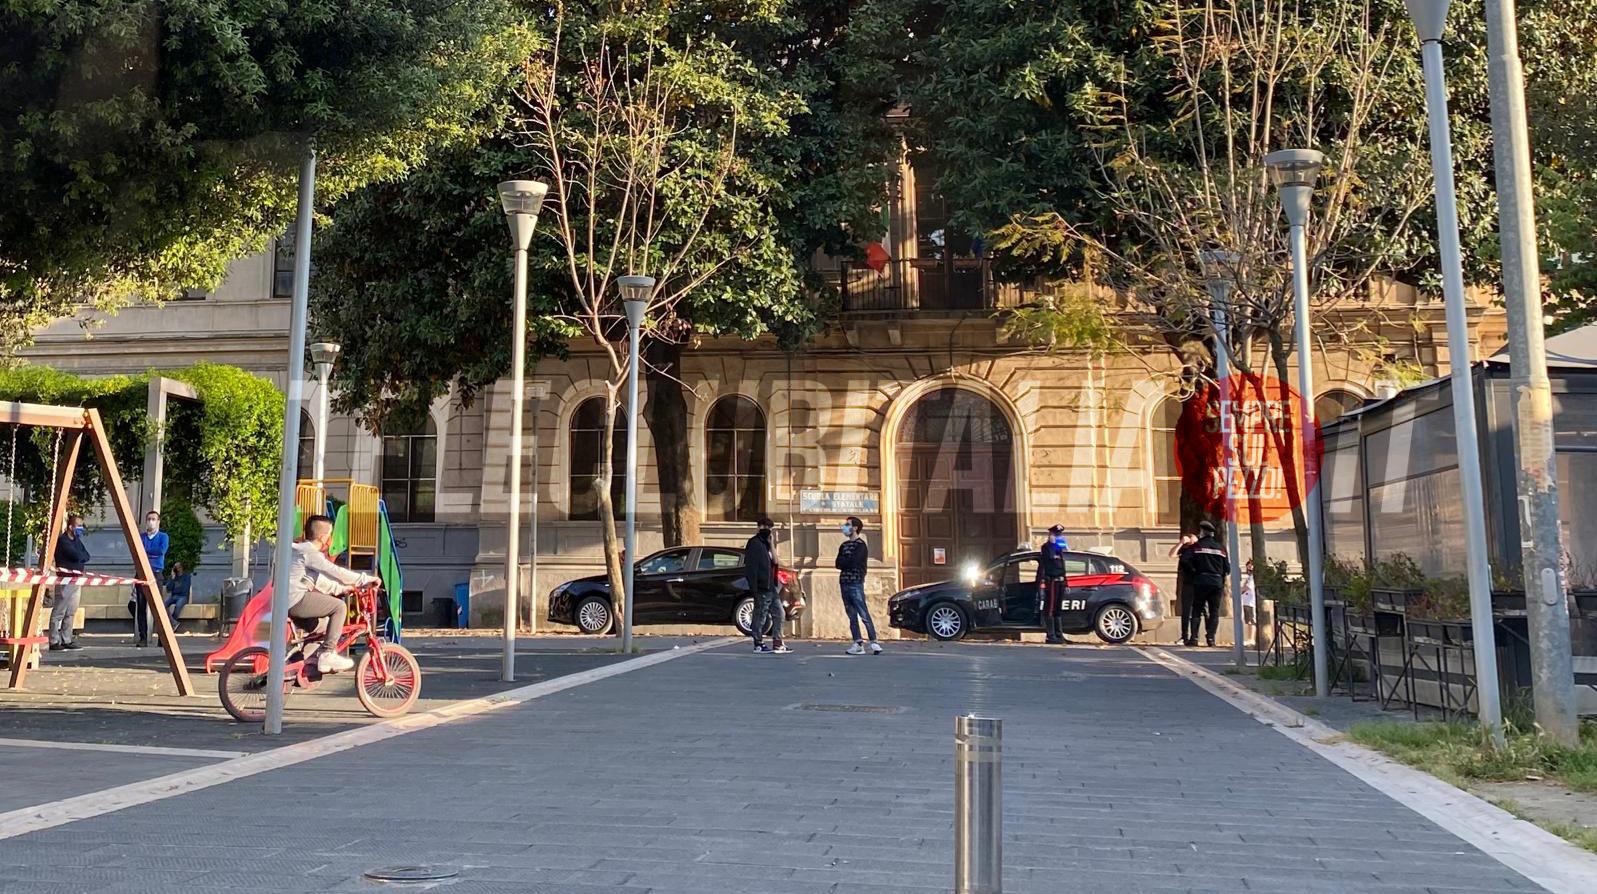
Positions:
{"x": 314, "y": 585}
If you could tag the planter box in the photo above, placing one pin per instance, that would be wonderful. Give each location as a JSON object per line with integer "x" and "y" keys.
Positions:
{"x": 1391, "y": 599}
{"x": 1431, "y": 632}
{"x": 1293, "y": 613}
{"x": 1508, "y": 603}
{"x": 1585, "y": 601}
{"x": 1376, "y": 624}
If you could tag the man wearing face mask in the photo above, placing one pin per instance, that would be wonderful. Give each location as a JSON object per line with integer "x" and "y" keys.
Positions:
{"x": 1051, "y": 582}
{"x": 71, "y": 557}
{"x": 852, "y": 559}
{"x": 759, "y": 557}
{"x": 156, "y": 543}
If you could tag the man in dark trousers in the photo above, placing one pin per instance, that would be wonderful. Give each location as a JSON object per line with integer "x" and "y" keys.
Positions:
{"x": 1206, "y": 566}
{"x": 853, "y": 560}
{"x": 71, "y": 557}
{"x": 1051, "y": 582}
{"x": 1189, "y": 633}
{"x": 759, "y": 559}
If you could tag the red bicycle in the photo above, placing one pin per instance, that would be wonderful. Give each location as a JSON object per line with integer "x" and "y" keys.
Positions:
{"x": 387, "y": 677}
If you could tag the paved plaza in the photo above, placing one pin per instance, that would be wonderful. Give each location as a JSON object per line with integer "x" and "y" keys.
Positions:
{"x": 721, "y": 771}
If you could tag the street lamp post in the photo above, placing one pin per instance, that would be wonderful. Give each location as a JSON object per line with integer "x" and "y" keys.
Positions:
{"x": 1430, "y": 20}
{"x": 288, "y": 472}
{"x": 635, "y": 292}
{"x": 1219, "y": 276}
{"x": 522, "y": 200}
{"x": 1295, "y": 172}
{"x": 1541, "y": 551}
{"x": 324, "y": 354}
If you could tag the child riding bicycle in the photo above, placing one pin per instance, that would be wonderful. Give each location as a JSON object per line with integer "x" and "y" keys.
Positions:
{"x": 315, "y": 584}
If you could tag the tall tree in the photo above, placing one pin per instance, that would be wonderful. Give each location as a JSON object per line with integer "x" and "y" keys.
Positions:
{"x": 146, "y": 144}
{"x": 411, "y": 276}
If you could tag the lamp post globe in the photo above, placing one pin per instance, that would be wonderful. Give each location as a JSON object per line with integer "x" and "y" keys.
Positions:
{"x": 323, "y": 354}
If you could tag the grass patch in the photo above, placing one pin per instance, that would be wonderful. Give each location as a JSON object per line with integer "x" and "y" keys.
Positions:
{"x": 1311, "y": 712}
{"x": 1577, "y": 835}
{"x": 1461, "y": 752}
{"x": 1281, "y": 672}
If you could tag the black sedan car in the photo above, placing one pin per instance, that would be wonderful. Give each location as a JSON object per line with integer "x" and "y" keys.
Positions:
{"x": 1107, "y": 597}
{"x": 683, "y": 585}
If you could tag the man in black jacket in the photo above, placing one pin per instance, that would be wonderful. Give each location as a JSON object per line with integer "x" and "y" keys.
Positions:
{"x": 71, "y": 557}
{"x": 759, "y": 558}
{"x": 1052, "y": 583}
{"x": 853, "y": 557}
{"x": 1206, "y": 566}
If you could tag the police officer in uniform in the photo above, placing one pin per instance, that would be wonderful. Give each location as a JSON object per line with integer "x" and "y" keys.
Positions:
{"x": 1051, "y": 582}
{"x": 1206, "y": 566}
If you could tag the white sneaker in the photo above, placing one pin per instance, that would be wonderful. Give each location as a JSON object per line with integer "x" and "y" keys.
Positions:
{"x": 332, "y": 662}
{"x": 856, "y": 649}
{"x": 876, "y": 648}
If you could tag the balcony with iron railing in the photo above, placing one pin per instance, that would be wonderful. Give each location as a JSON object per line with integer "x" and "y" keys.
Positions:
{"x": 921, "y": 285}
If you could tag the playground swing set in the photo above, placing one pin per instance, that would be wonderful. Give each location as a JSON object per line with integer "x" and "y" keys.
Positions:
{"x": 73, "y": 426}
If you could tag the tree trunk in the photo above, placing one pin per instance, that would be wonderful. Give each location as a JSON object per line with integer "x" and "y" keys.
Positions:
{"x": 667, "y": 412}
{"x": 1287, "y": 445}
{"x": 607, "y": 509}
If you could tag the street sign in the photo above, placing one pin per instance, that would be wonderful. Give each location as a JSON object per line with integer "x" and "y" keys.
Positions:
{"x": 839, "y": 502}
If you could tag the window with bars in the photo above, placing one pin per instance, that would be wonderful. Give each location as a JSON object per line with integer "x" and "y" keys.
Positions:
{"x": 410, "y": 473}
{"x": 306, "y": 462}
{"x": 587, "y": 454}
{"x": 734, "y": 483}
{"x": 1166, "y": 471}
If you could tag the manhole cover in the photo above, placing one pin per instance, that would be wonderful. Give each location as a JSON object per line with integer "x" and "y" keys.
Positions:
{"x": 849, "y": 709}
{"x": 412, "y": 873}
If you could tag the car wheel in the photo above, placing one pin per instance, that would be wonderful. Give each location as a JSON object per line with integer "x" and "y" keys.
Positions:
{"x": 946, "y": 621}
{"x": 593, "y": 615}
{"x": 743, "y": 617}
{"x": 1115, "y": 624}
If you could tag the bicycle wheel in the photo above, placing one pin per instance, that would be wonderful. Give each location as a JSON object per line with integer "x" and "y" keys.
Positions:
{"x": 395, "y": 696}
{"x": 242, "y": 685}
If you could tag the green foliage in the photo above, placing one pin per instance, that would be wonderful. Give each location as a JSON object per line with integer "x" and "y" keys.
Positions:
{"x": 1459, "y": 752}
{"x": 186, "y": 539}
{"x": 412, "y": 276}
{"x": 1067, "y": 118}
{"x": 224, "y": 453}
{"x": 1274, "y": 582}
{"x": 1398, "y": 572}
{"x": 1352, "y": 582}
{"x": 146, "y": 144}
{"x": 1070, "y": 318}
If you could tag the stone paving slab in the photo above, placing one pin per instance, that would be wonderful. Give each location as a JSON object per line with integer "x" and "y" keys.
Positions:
{"x": 799, "y": 774}
{"x": 30, "y": 776}
{"x": 111, "y": 694}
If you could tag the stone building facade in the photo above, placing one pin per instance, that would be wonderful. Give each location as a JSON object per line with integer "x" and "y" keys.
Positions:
{"x": 913, "y": 411}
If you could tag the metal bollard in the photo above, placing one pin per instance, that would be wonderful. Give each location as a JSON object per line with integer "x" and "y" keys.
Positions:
{"x": 978, "y": 805}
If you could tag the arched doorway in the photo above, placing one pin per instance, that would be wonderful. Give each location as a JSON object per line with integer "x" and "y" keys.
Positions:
{"x": 955, "y": 456}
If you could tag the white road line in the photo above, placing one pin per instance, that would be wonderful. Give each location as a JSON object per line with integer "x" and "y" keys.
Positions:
{"x": 46, "y": 816}
{"x": 124, "y": 749}
{"x": 1524, "y": 847}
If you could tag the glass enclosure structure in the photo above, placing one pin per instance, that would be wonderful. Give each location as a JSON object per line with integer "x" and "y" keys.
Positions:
{"x": 1390, "y": 478}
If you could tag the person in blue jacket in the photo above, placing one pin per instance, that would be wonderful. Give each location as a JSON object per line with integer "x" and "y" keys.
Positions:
{"x": 156, "y": 544}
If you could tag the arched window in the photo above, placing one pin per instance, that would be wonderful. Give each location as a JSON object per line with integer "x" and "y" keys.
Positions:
{"x": 306, "y": 464}
{"x": 1329, "y": 406}
{"x": 410, "y": 473}
{"x": 734, "y": 450}
{"x": 1165, "y": 472}
{"x": 587, "y": 453}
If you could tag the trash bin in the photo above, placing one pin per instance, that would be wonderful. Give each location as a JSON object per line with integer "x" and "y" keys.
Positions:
{"x": 235, "y": 595}
{"x": 463, "y": 605}
{"x": 443, "y": 612}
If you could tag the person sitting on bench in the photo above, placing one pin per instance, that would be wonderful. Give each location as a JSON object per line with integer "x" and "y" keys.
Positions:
{"x": 315, "y": 583}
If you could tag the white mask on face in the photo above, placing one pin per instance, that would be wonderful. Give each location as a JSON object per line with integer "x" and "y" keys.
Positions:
{"x": 848, "y": 530}
{"x": 151, "y": 526}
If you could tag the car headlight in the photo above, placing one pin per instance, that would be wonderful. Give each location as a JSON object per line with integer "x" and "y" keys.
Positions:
{"x": 559, "y": 591}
